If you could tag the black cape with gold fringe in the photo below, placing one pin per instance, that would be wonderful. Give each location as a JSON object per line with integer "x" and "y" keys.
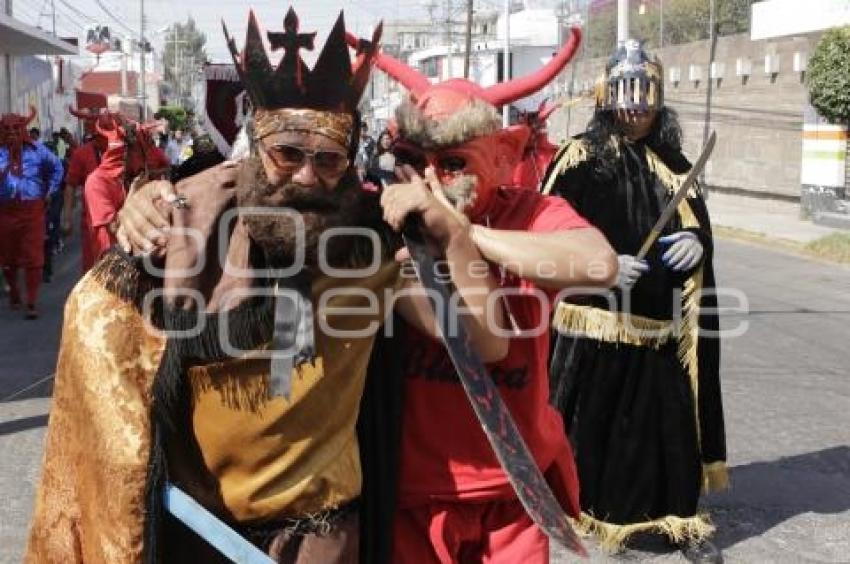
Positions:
{"x": 640, "y": 394}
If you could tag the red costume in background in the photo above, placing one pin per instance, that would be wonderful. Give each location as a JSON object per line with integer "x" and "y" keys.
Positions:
{"x": 29, "y": 175}
{"x": 539, "y": 151}
{"x": 84, "y": 161}
{"x": 105, "y": 191}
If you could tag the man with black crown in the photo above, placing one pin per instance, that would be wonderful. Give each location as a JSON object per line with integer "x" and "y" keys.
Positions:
{"x": 637, "y": 377}
{"x": 234, "y": 373}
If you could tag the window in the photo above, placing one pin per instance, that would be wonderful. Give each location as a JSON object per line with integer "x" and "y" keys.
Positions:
{"x": 430, "y": 67}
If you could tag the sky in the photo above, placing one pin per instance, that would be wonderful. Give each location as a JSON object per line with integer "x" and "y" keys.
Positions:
{"x": 72, "y": 16}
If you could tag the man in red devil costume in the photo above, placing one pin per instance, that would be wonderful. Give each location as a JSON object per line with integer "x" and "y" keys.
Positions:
{"x": 130, "y": 152}
{"x": 29, "y": 175}
{"x": 84, "y": 160}
{"x": 455, "y": 503}
{"x": 539, "y": 151}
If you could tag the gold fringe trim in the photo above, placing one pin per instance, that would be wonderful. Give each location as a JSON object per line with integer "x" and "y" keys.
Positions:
{"x": 689, "y": 324}
{"x": 715, "y": 476}
{"x": 667, "y": 177}
{"x": 612, "y": 327}
{"x": 570, "y": 155}
{"x": 613, "y": 538}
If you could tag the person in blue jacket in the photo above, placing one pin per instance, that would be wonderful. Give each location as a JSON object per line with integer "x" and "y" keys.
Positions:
{"x": 29, "y": 176}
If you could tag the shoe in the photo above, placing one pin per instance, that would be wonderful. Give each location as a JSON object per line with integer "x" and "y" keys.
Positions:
{"x": 703, "y": 552}
{"x": 32, "y": 313}
{"x": 14, "y": 303}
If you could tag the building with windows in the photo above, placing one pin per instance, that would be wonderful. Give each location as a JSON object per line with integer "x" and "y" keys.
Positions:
{"x": 535, "y": 36}
{"x": 24, "y": 78}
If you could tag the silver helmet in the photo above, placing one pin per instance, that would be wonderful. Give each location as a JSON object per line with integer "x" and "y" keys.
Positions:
{"x": 632, "y": 81}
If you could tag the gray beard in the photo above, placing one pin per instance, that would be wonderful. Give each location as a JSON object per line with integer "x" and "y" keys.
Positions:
{"x": 461, "y": 191}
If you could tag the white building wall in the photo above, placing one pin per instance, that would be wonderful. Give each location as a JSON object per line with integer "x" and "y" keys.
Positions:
{"x": 7, "y": 71}
{"x": 530, "y": 27}
{"x": 34, "y": 87}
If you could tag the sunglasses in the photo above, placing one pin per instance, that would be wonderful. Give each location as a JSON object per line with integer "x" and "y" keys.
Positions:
{"x": 289, "y": 158}
{"x": 420, "y": 160}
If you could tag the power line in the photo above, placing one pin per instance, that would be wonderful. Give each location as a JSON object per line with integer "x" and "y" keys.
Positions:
{"x": 32, "y": 17}
{"x": 40, "y": 13}
{"x": 72, "y": 19}
{"x": 78, "y": 12}
{"x": 116, "y": 20}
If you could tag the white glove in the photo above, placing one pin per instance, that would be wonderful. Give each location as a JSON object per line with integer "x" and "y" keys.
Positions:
{"x": 685, "y": 250}
{"x": 630, "y": 270}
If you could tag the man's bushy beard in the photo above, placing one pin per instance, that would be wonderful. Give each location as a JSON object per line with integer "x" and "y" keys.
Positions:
{"x": 319, "y": 208}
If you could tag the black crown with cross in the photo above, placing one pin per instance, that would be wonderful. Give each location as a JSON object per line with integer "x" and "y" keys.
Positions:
{"x": 334, "y": 83}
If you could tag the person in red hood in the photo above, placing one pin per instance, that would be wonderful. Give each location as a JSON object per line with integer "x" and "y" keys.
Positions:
{"x": 84, "y": 160}
{"x": 130, "y": 152}
{"x": 539, "y": 151}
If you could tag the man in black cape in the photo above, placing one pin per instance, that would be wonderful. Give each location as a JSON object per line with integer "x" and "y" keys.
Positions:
{"x": 636, "y": 372}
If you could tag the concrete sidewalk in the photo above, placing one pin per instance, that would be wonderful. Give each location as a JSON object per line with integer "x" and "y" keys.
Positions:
{"x": 775, "y": 219}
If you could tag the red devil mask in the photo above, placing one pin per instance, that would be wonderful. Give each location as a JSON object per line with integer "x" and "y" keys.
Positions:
{"x": 13, "y": 135}
{"x": 130, "y": 147}
{"x": 90, "y": 118}
{"x": 536, "y": 121}
{"x": 460, "y": 116}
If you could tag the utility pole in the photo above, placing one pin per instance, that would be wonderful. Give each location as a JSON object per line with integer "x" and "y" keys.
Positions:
{"x": 449, "y": 37}
{"x": 622, "y": 22}
{"x": 53, "y": 9}
{"x": 468, "y": 52}
{"x": 176, "y": 70}
{"x": 661, "y": 24}
{"x": 506, "y": 62}
{"x": 124, "y": 69}
{"x": 712, "y": 46}
{"x": 143, "y": 97}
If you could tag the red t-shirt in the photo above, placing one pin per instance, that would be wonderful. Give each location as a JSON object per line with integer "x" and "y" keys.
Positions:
{"x": 83, "y": 161}
{"x": 104, "y": 196}
{"x": 445, "y": 453}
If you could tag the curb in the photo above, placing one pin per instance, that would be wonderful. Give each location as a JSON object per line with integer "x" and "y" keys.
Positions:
{"x": 774, "y": 243}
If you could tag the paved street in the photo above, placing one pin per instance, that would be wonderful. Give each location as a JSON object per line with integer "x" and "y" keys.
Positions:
{"x": 787, "y": 399}
{"x": 785, "y": 384}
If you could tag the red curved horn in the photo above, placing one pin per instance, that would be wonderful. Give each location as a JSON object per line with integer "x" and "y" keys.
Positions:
{"x": 547, "y": 111}
{"x": 32, "y": 115}
{"x": 507, "y": 92}
{"x": 104, "y": 132}
{"x": 82, "y": 115}
{"x": 409, "y": 77}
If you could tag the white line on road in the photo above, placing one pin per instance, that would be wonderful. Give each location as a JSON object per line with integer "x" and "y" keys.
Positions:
{"x": 27, "y": 388}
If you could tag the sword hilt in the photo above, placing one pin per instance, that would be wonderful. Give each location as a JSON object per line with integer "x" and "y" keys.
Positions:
{"x": 413, "y": 228}
{"x": 647, "y": 244}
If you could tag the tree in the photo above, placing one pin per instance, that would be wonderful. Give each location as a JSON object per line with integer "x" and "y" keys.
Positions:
{"x": 175, "y": 115}
{"x": 685, "y": 21}
{"x": 183, "y": 55}
{"x": 827, "y": 76}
